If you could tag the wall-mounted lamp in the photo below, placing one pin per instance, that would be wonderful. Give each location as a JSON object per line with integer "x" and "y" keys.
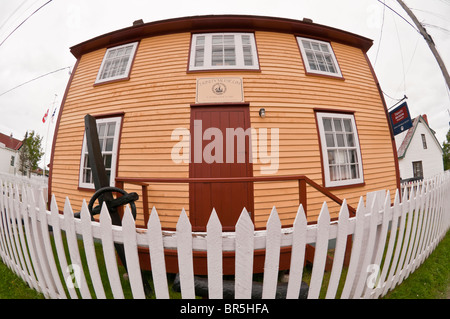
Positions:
{"x": 262, "y": 113}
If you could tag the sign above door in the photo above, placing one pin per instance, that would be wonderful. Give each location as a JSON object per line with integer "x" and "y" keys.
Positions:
{"x": 219, "y": 90}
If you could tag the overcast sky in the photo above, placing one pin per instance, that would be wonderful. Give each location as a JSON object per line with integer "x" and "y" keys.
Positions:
{"x": 401, "y": 58}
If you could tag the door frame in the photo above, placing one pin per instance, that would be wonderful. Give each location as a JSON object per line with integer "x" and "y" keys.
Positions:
{"x": 249, "y": 166}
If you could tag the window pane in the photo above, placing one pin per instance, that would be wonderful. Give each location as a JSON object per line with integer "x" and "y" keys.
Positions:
{"x": 86, "y": 176}
{"x": 334, "y": 173}
{"x": 311, "y": 60}
{"x": 107, "y": 160}
{"x": 228, "y": 39}
{"x": 101, "y": 129}
{"x": 337, "y": 125}
{"x": 345, "y": 174}
{"x": 109, "y": 144}
{"x": 348, "y": 125}
{"x": 330, "y": 140}
{"x": 248, "y": 55}
{"x": 342, "y": 157}
{"x": 353, "y": 156}
{"x": 101, "y": 141}
{"x": 217, "y": 39}
{"x": 200, "y": 41}
{"x": 327, "y": 125}
{"x": 229, "y": 56}
{"x": 111, "y": 54}
{"x": 199, "y": 56}
{"x": 306, "y": 44}
{"x": 350, "y": 140}
{"x": 87, "y": 164}
{"x": 111, "y": 128}
{"x": 324, "y": 47}
{"x": 320, "y": 61}
{"x": 340, "y": 140}
{"x": 354, "y": 171}
{"x": 332, "y": 157}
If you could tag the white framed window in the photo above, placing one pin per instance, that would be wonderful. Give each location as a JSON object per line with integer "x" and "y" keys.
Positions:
{"x": 341, "y": 153}
{"x": 116, "y": 63}
{"x": 108, "y": 134}
{"x": 318, "y": 57}
{"x": 211, "y": 51}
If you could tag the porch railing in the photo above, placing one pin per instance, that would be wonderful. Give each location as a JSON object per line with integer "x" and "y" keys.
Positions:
{"x": 303, "y": 181}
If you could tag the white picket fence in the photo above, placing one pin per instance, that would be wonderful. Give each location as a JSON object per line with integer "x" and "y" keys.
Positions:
{"x": 390, "y": 240}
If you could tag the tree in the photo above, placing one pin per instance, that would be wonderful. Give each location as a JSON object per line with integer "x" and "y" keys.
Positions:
{"x": 446, "y": 149}
{"x": 30, "y": 153}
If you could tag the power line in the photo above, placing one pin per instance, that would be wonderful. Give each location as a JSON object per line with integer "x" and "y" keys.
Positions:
{"x": 399, "y": 15}
{"x": 41, "y": 76}
{"x": 12, "y": 14}
{"x": 24, "y": 21}
{"x": 401, "y": 56}
{"x": 381, "y": 35}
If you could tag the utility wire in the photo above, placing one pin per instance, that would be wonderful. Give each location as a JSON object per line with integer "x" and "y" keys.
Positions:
{"x": 41, "y": 76}
{"x": 12, "y": 14}
{"x": 399, "y": 15}
{"x": 394, "y": 99}
{"x": 401, "y": 56}
{"x": 381, "y": 35}
{"x": 24, "y": 21}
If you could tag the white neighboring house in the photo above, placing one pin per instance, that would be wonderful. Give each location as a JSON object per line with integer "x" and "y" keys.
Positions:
{"x": 419, "y": 152}
{"x": 9, "y": 154}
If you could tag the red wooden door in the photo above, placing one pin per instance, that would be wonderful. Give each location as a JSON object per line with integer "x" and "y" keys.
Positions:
{"x": 228, "y": 199}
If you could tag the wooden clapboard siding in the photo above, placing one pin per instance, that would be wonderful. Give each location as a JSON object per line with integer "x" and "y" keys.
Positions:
{"x": 157, "y": 98}
{"x": 296, "y": 94}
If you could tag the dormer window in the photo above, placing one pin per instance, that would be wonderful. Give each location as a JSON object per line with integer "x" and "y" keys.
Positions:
{"x": 318, "y": 57}
{"x": 116, "y": 63}
{"x": 218, "y": 51}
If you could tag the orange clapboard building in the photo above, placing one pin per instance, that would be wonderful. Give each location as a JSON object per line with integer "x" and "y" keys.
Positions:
{"x": 290, "y": 110}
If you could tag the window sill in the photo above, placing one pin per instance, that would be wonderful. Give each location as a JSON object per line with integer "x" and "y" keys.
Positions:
{"x": 85, "y": 189}
{"x": 111, "y": 81}
{"x": 329, "y": 76}
{"x": 223, "y": 70}
{"x": 345, "y": 186}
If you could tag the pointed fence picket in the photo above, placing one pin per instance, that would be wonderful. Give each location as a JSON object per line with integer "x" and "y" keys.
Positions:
{"x": 214, "y": 257}
{"x": 389, "y": 242}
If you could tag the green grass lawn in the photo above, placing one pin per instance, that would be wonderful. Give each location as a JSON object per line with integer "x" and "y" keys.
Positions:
{"x": 13, "y": 287}
{"x": 430, "y": 281}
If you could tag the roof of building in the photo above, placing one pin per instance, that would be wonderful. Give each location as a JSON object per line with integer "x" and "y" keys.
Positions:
{"x": 401, "y": 152}
{"x": 212, "y": 23}
{"x": 10, "y": 142}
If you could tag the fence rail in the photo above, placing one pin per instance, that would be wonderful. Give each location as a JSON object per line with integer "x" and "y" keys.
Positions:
{"x": 390, "y": 240}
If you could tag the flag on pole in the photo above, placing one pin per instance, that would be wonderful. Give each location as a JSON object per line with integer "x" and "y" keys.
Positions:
{"x": 53, "y": 115}
{"x": 45, "y": 117}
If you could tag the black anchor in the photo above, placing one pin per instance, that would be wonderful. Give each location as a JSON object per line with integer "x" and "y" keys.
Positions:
{"x": 103, "y": 189}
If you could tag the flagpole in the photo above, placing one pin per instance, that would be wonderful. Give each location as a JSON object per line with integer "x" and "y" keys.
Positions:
{"x": 46, "y": 138}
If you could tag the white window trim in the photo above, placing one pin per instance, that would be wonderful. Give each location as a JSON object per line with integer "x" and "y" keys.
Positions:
{"x": 324, "y": 149}
{"x": 128, "y": 68}
{"x": 114, "y": 153}
{"x": 306, "y": 63}
{"x": 240, "y": 65}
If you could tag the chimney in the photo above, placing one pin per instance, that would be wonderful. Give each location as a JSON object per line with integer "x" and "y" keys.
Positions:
{"x": 425, "y": 118}
{"x": 138, "y": 22}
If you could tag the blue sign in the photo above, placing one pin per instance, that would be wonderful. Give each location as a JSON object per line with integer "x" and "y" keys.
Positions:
{"x": 400, "y": 118}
